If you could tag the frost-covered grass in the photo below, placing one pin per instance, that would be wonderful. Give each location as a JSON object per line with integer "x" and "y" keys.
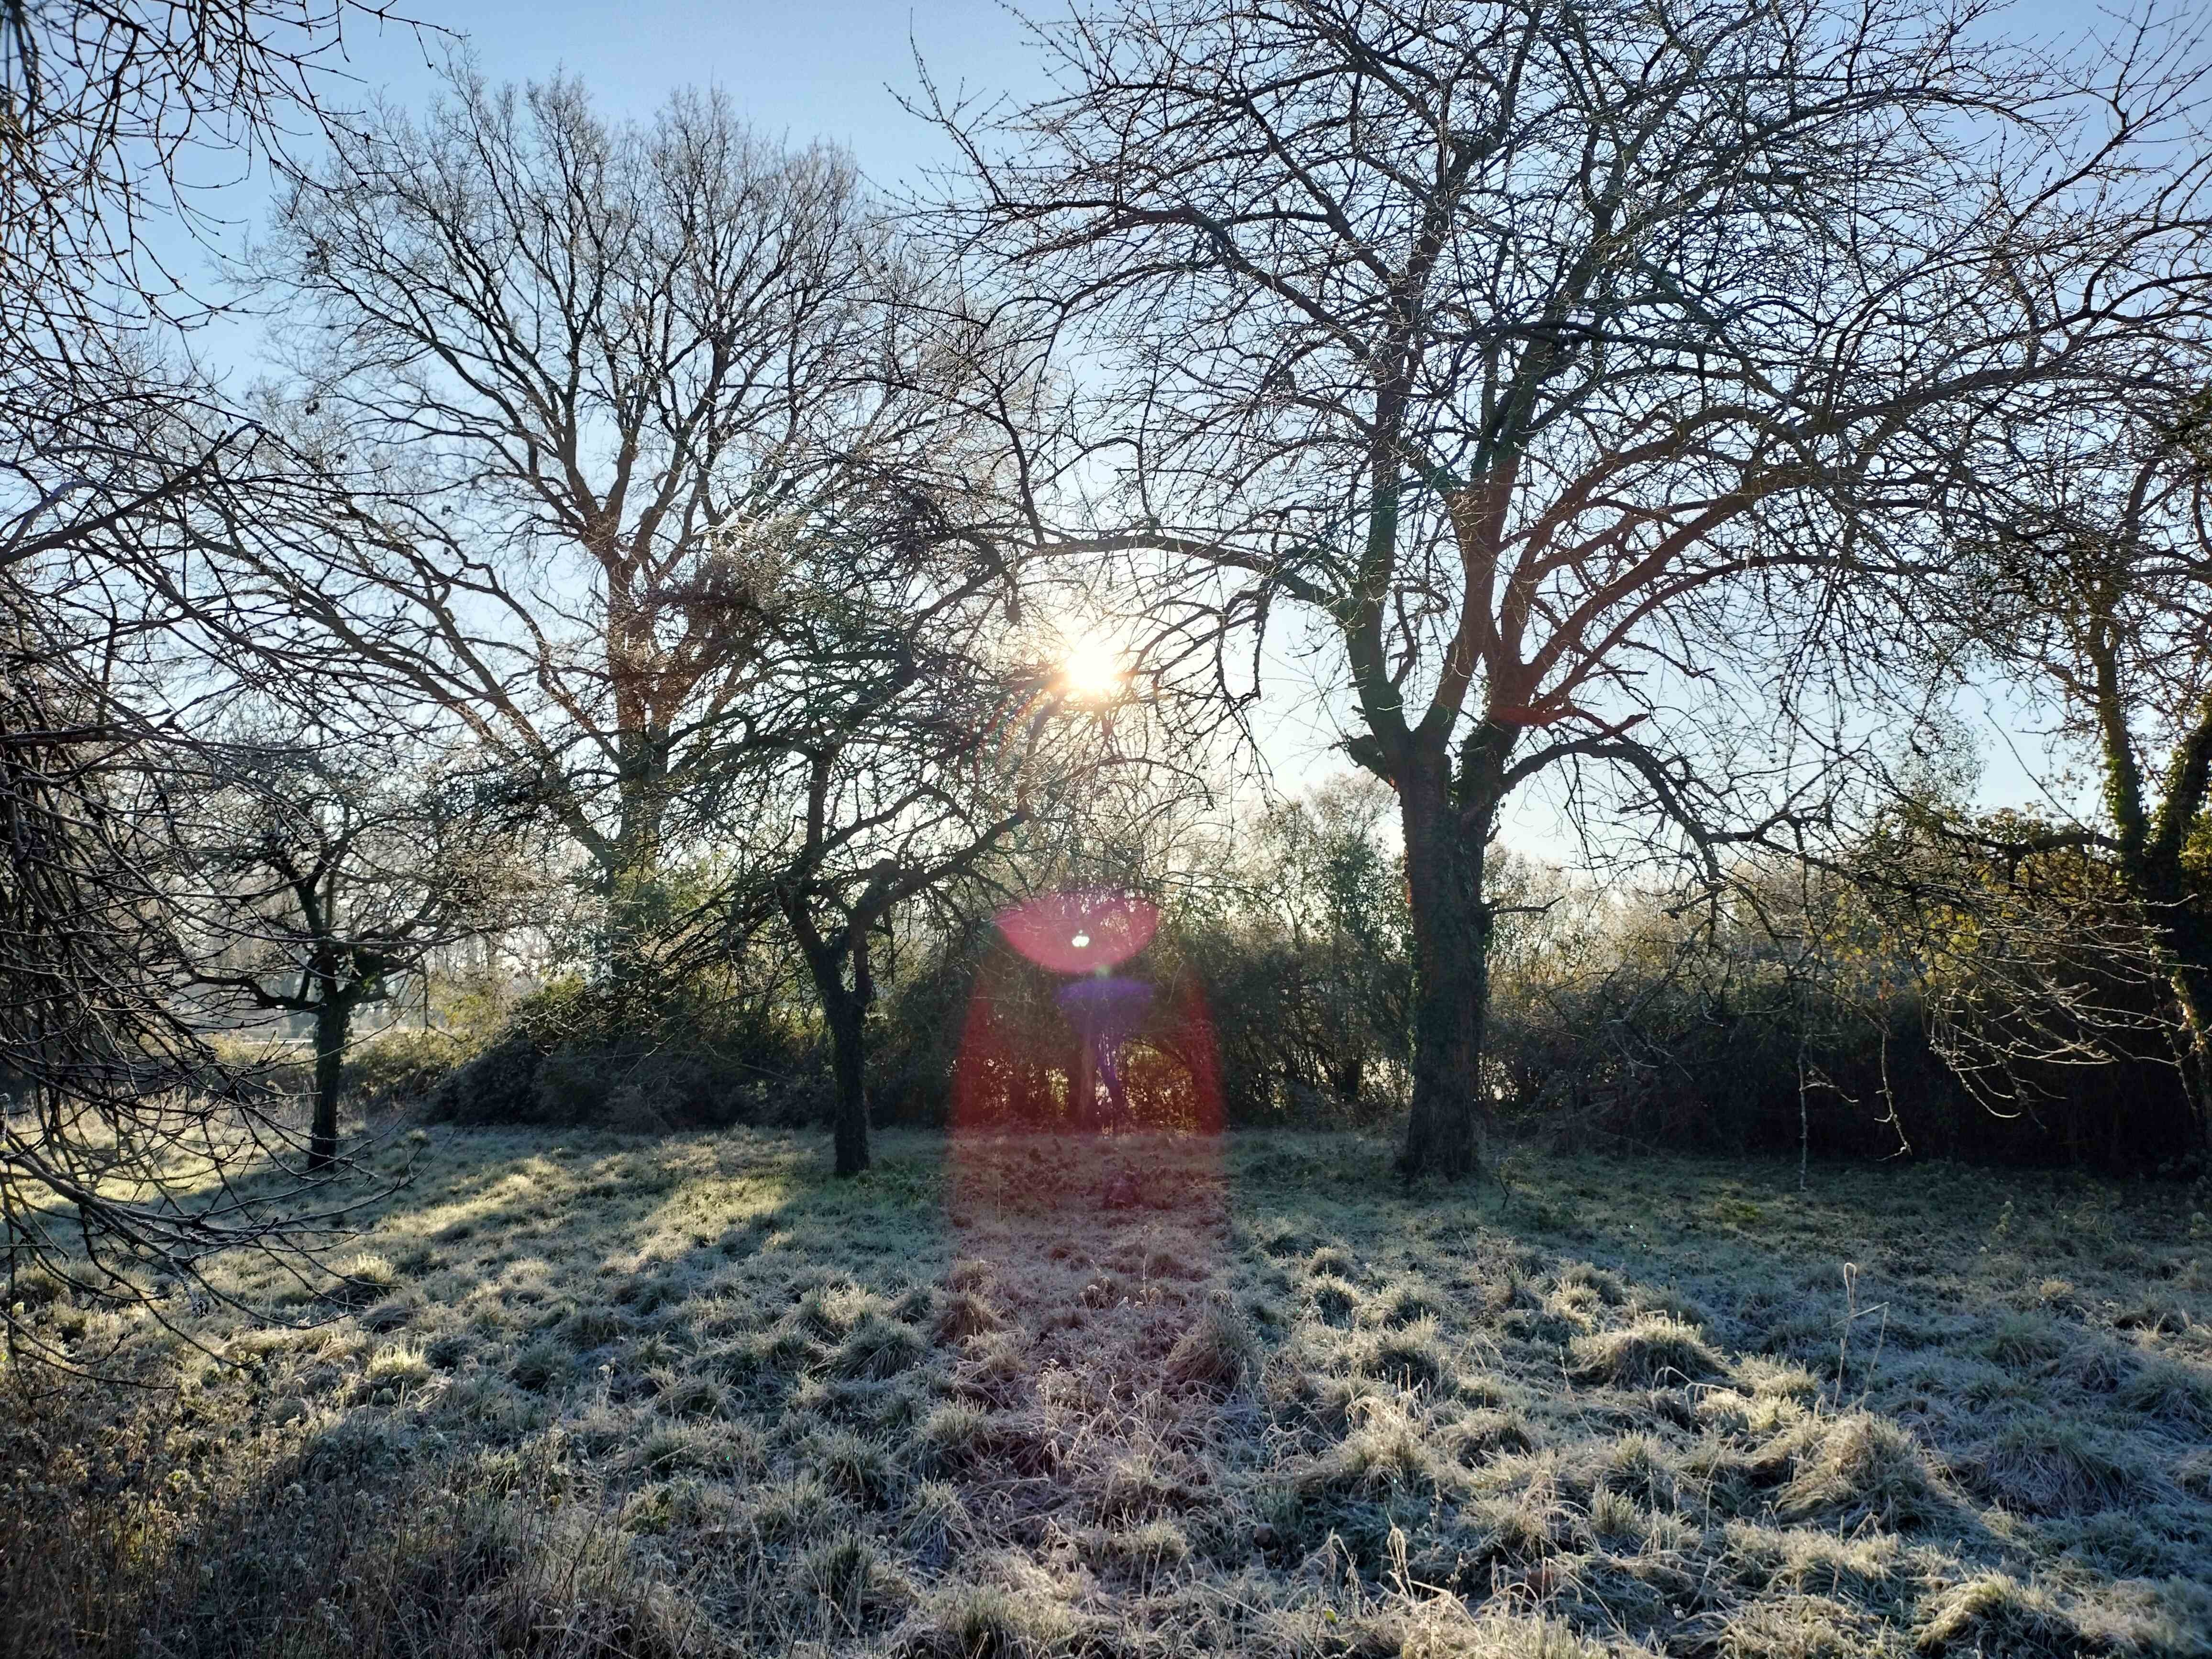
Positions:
{"x": 605, "y": 1397}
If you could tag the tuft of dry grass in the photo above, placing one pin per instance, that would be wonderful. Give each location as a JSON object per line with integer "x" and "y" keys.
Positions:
{"x": 2051, "y": 1467}
{"x": 1214, "y": 1353}
{"x": 1651, "y": 1351}
{"x": 1855, "y": 1468}
{"x": 1994, "y": 1612}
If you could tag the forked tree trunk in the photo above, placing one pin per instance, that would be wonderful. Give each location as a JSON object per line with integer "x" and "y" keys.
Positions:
{"x": 333, "y": 1019}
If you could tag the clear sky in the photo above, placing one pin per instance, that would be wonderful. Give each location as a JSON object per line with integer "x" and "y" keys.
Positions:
{"x": 807, "y": 68}
{"x": 825, "y": 69}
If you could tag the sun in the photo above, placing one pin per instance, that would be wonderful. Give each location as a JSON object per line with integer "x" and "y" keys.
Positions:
{"x": 1091, "y": 670}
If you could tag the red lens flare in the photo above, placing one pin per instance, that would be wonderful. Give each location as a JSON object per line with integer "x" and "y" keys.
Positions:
{"x": 1082, "y": 931}
{"x": 1084, "y": 1173}
{"x": 1098, "y": 1053}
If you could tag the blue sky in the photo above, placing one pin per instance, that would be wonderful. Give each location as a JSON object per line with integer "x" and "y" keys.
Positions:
{"x": 829, "y": 68}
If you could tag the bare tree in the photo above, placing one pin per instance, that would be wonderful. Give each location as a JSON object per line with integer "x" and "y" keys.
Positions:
{"x": 119, "y": 115}
{"x": 900, "y": 731}
{"x": 125, "y": 1130}
{"x": 333, "y": 865}
{"x": 566, "y": 369}
{"x": 1562, "y": 359}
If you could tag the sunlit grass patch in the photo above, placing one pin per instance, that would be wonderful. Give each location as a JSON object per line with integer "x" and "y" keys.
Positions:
{"x": 1995, "y": 1613}
{"x": 1855, "y": 1468}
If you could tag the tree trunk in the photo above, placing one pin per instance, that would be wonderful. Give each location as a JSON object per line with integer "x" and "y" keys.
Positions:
{"x": 845, "y": 1011}
{"x": 633, "y": 876}
{"x": 1447, "y": 1133}
{"x": 2187, "y": 943}
{"x": 1346, "y": 1077}
{"x": 849, "y": 1066}
{"x": 333, "y": 1019}
{"x": 1083, "y": 1083}
{"x": 1447, "y": 821}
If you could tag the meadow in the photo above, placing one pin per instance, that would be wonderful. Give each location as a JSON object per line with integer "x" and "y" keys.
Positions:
{"x": 1032, "y": 1395}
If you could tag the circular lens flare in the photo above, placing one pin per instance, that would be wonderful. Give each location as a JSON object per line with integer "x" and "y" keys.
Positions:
{"x": 1080, "y": 931}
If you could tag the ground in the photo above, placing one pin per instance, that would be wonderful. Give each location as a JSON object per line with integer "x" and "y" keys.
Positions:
{"x": 1039, "y": 1396}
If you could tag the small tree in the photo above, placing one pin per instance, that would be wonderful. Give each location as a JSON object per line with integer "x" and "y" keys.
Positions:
{"x": 896, "y": 736}
{"x": 335, "y": 867}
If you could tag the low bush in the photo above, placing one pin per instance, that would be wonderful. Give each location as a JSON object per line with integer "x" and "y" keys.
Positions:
{"x": 577, "y": 1055}
{"x": 401, "y": 1066}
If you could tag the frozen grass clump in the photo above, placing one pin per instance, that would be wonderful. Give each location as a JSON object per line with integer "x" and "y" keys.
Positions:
{"x": 2047, "y": 1467}
{"x": 1137, "y": 1487}
{"x": 985, "y": 1621}
{"x": 1638, "y": 1466}
{"x": 1139, "y": 1551}
{"x": 1651, "y": 1351}
{"x": 1797, "y": 1627}
{"x": 965, "y": 1314}
{"x": 2172, "y": 1391}
{"x": 1865, "y": 1564}
{"x": 1214, "y": 1353}
{"x": 845, "y": 1585}
{"x": 595, "y": 1326}
{"x": 542, "y": 1366}
{"x": 1406, "y": 1303}
{"x": 2024, "y": 1341}
{"x": 879, "y": 1345}
{"x": 1385, "y": 1453}
{"x": 1333, "y": 1298}
{"x": 1333, "y": 1261}
{"x": 1856, "y": 1468}
{"x": 1994, "y": 1614}
{"x": 959, "y": 1437}
{"x": 1486, "y": 1434}
{"x": 1412, "y": 1357}
{"x": 396, "y": 1370}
